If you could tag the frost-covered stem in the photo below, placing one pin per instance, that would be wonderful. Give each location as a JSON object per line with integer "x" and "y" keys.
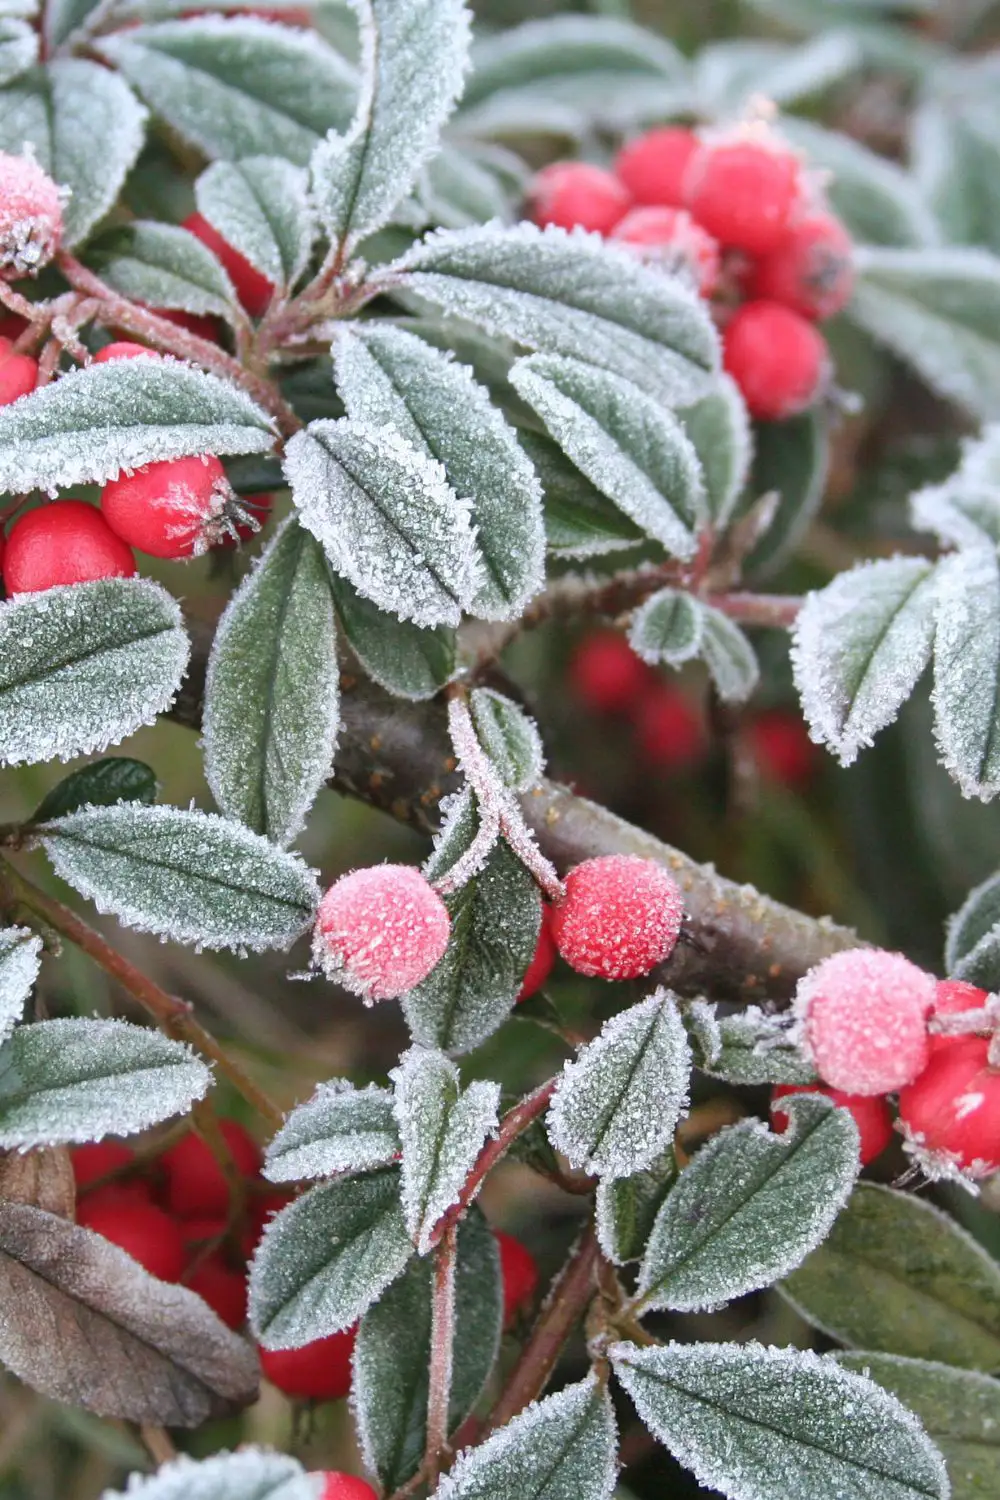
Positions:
{"x": 563, "y": 1308}
{"x": 174, "y": 1015}
{"x": 442, "y": 1341}
{"x": 779, "y": 610}
{"x": 983, "y": 1021}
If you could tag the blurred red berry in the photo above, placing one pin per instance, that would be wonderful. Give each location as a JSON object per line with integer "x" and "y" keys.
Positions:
{"x": 653, "y": 166}
{"x": 63, "y": 542}
{"x": 195, "y": 1186}
{"x": 121, "y": 349}
{"x": 222, "y": 1287}
{"x": 345, "y": 1487}
{"x": 778, "y": 359}
{"x": 519, "y": 1274}
{"x": 810, "y": 270}
{"x": 673, "y": 236}
{"x": 201, "y": 324}
{"x": 744, "y": 192}
{"x": 172, "y": 509}
{"x": 140, "y": 1229}
{"x": 320, "y": 1371}
{"x": 540, "y": 967}
{"x": 129, "y": 1190}
{"x": 605, "y": 673}
{"x": 253, "y": 289}
{"x": 198, "y": 1233}
{"x": 96, "y": 1159}
{"x": 871, "y": 1115}
{"x": 12, "y": 325}
{"x": 950, "y": 1114}
{"x": 261, "y": 1209}
{"x": 782, "y": 748}
{"x": 571, "y": 193}
{"x": 18, "y": 373}
{"x": 669, "y": 730}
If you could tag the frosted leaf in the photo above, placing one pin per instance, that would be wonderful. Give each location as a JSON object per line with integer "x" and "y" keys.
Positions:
{"x": 442, "y": 1128}
{"x": 704, "y": 1031}
{"x": 957, "y": 512}
{"x": 757, "y": 1048}
{"x": 627, "y": 444}
{"x": 184, "y": 874}
{"x": 390, "y": 378}
{"x": 509, "y": 738}
{"x": 579, "y": 520}
{"x": 719, "y": 428}
{"x": 472, "y": 183}
{"x": 791, "y": 461}
{"x": 340, "y": 1129}
{"x": 84, "y": 665}
{"x": 80, "y": 1080}
{"x": 668, "y": 628}
{"x": 730, "y": 75}
{"x": 750, "y": 1207}
{"x": 972, "y": 949}
{"x": 239, "y": 86}
{"x": 980, "y": 466}
{"x": 625, "y": 1208}
{"x": 86, "y": 129}
{"x": 272, "y": 694}
{"x": 859, "y": 647}
{"x": 967, "y": 669}
{"x": 89, "y": 425}
{"x": 392, "y": 1354}
{"x": 879, "y": 202}
{"x": 560, "y": 1448}
{"x": 163, "y": 266}
{"x": 569, "y": 294}
{"x": 325, "y": 1258}
{"x": 250, "y": 1474}
{"x": 261, "y": 207}
{"x": 407, "y": 661}
{"x": 415, "y": 54}
{"x": 18, "y": 48}
{"x": 729, "y": 657}
{"x": 762, "y": 1423}
{"x": 386, "y": 518}
{"x": 20, "y": 962}
{"x": 118, "y": 778}
{"x": 616, "y": 1105}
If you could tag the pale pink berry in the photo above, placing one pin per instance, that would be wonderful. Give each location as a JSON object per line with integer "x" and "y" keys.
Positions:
{"x": 30, "y": 217}
{"x": 380, "y": 931}
{"x": 619, "y": 918}
{"x": 863, "y": 1020}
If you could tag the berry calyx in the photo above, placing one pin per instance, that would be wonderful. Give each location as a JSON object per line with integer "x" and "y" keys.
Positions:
{"x": 744, "y": 192}
{"x": 669, "y": 731}
{"x": 121, "y": 349}
{"x": 871, "y": 1115}
{"x": 777, "y": 358}
{"x": 950, "y": 1115}
{"x": 540, "y": 967}
{"x": 66, "y": 541}
{"x": 140, "y": 1229}
{"x": 653, "y": 167}
{"x": 174, "y": 509}
{"x": 571, "y": 193}
{"x": 258, "y": 512}
{"x": 380, "y": 931}
{"x": 782, "y": 749}
{"x": 18, "y": 373}
{"x": 671, "y": 237}
{"x": 606, "y": 674}
{"x": 518, "y": 1274}
{"x": 951, "y": 998}
{"x": 253, "y": 289}
{"x": 195, "y": 1185}
{"x": 224, "y": 1289}
{"x": 31, "y": 219}
{"x": 97, "y": 1159}
{"x": 620, "y": 916}
{"x": 339, "y": 1486}
{"x": 320, "y": 1371}
{"x": 810, "y": 270}
{"x": 862, "y": 1018}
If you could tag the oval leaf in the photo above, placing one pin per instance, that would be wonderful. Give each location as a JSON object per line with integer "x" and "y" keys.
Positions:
{"x": 163, "y": 265}
{"x": 261, "y": 207}
{"x": 729, "y": 657}
{"x": 719, "y": 429}
{"x": 879, "y": 202}
{"x": 625, "y": 1208}
{"x": 791, "y": 461}
{"x": 402, "y": 658}
{"x": 340, "y": 1129}
{"x": 20, "y": 962}
{"x": 103, "y": 782}
{"x": 509, "y": 738}
{"x": 579, "y": 520}
{"x": 250, "y": 1474}
{"x": 668, "y": 628}
{"x": 972, "y": 951}
{"x": 967, "y": 669}
{"x": 757, "y": 1047}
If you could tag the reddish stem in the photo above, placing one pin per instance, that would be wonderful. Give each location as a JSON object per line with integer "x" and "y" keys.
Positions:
{"x": 778, "y": 610}
{"x": 442, "y": 1340}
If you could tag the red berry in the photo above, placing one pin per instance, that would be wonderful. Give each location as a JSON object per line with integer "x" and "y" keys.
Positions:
{"x": 141, "y": 1229}
{"x": 782, "y": 748}
{"x": 320, "y": 1371}
{"x": 540, "y": 967}
{"x": 261, "y": 1209}
{"x": 12, "y": 325}
{"x": 620, "y": 916}
{"x": 197, "y": 1233}
{"x": 201, "y": 324}
{"x": 224, "y": 1289}
{"x": 810, "y": 270}
{"x": 672, "y": 236}
{"x": 951, "y": 997}
{"x": 345, "y": 1487}
{"x": 380, "y": 931}
{"x": 66, "y": 541}
{"x": 871, "y": 1115}
{"x": 120, "y": 350}
{"x": 570, "y": 193}
{"x": 777, "y": 358}
{"x": 744, "y": 192}
{"x": 669, "y": 731}
{"x": 18, "y": 373}
{"x": 174, "y": 509}
{"x": 653, "y": 167}
{"x": 30, "y": 217}
{"x": 518, "y": 1273}
{"x": 863, "y": 1019}
{"x": 606, "y": 674}
{"x": 96, "y": 1159}
{"x": 253, "y": 289}
{"x": 950, "y": 1115}
{"x": 195, "y": 1186}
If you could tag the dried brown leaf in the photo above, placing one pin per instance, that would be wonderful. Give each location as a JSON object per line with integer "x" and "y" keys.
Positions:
{"x": 42, "y": 1177}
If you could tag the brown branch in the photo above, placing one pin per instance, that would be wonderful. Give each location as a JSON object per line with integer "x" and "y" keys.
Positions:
{"x": 442, "y": 1340}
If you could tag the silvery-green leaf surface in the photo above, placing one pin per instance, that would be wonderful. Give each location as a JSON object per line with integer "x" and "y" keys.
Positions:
{"x": 972, "y": 950}
{"x": 18, "y": 48}
{"x": 250, "y": 1474}
{"x": 719, "y": 428}
{"x": 407, "y": 660}
{"x": 880, "y": 203}
{"x": 967, "y": 669}
{"x": 579, "y": 521}
{"x": 163, "y": 266}
{"x": 509, "y": 738}
{"x": 20, "y": 962}
{"x": 340, "y": 1129}
{"x": 261, "y": 207}
{"x": 625, "y": 1208}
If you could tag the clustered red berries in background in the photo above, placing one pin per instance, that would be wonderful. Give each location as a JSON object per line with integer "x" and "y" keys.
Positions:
{"x": 738, "y": 213}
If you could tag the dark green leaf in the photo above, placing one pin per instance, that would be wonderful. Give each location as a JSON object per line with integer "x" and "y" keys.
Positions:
{"x": 405, "y": 659}
{"x": 103, "y": 782}
{"x": 972, "y": 951}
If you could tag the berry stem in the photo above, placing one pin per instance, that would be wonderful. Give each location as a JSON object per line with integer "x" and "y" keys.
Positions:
{"x": 778, "y": 610}
{"x": 442, "y": 1341}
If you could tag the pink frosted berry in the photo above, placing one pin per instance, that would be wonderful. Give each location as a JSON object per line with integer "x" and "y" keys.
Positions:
{"x": 380, "y": 931}
{"x": 30, "y": 217}
{"x": 619, "y": 918}
{"x": 863, "y": 1018}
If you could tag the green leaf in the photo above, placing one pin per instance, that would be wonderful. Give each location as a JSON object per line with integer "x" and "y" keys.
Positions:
{"x": 104, "y": 782}
{"x": 472, "y": 183}
{"x": 272, "y": 694}
{"x": 238, "y": 87}
{"x": 967, "y": 669}
{"x": 879, "y": 202}
{"x": 626, "y": 1208}
{"x": 972, "y": 951}
{"x": 407, "y": 661}
{"x": 729, "y": 657}
{"x": 792, "y": 460}
{"x": 340, "y": 1129}
{"x": 674, "y": 627}
{"x": 20, "y": 963}
{"x": 163, "y": 265}
{"x": 956, "y": 163}
{"x": 184, "y": 874}
{"x": 250, "y": 1474}
{"x": 326, "y": 1258}
{"x": 83, "y": 666}
{"x": 78, "y": 1080}
{"x": 719, "y": 428}
{"x": 579, "y": 520}
{"x": 964, "y": 510}
{"x": 750, "y": 1207}
{"x": 90, "y": 424}
{"x": 392, "y": 1354}
{"x": 18, "y": 48}
{"x": 757, "y": 1048}
{"x": 897, "y": 1275}
{"x": 779, "y": 1424}
{"x": 85, "y": 127}
{"x": 261, "y": 207}
{"x": 509, "y": 738}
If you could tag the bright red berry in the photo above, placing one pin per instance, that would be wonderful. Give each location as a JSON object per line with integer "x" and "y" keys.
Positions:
{"x": 782, "y": 748}
{"x": 224, "y": 1289}
{"x": 669, "y": 730}
{"x": 670, "y": 235}
{"x": 120, "y": 350}
{"x": 540, "y": 967}
{"x": 200, "y": 1232}
{"x": 606, "y": 674}
{"x": 66, "y": 541}
{"x": 177, "y": 508}
{"x": 195, "y": 1185}
{"x": 18, "y": 373}
{"x": 863, "y": 1019}
{"x": 96, "y": 1159}
{"x": 380, "y": 931}
{"x": 810, "y": 270}
{"x": 320, "y": 1371}
{"x": 951, "y": 998}
{"x": 253, "y": 289}
{"x": 620, "y": 916}
{"x": 141, "y": 1229}
{"x": 261, "y": 1209}
{"x": 778, "y": 359}
{"x": 200, "y": 324}
{"x": 345, "y": 1487}
{"x": 871, "y": 1115}
{"x": 950, "y": 1115}
{"x": 518, "y": 1273}
{"x": 744, "y": 192}
{"x": 571, "y": 193}
{"x": 30, "y": 217}
{"x": 653, "y": 167}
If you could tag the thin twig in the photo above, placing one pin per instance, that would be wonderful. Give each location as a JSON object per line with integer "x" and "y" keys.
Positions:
{"x": 777, "y": 610}
{"x": 442, "y": 1342}
{"x": 158, "y": 1443}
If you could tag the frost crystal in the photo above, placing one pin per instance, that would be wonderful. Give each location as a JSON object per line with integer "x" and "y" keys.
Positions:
{"x": 20, "y": 962}
{"x": 966, "y": 652}
{"x": 250, "y": 1474}
{"x": 340, "y": 1129}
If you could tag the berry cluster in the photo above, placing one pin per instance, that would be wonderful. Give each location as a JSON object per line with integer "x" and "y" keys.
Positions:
{"x": 739, "y": 214}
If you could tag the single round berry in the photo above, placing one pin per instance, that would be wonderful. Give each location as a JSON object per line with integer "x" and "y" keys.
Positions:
{"x": 18, "y": 373}
{"x": 518, "y": 1275}
{"x": 540, "y": 967}
{"x": 140, "y": 1229}
{"x": 30, "y": 217}
{"x": 224, "y": 1289}
{"x": 669, "y": 731}
{"x": 66, "y": 541}
{"x": 743, "y": 192}
{"x": 871, "y": 1115}
{"x": 951, "y": 998}
{"x": 253, "y": 289}
{"x": 620, "y": 917}
{"x": 863, "y": 1020}
{"x": 380, "y": 931}
{"x": 97, "y": 1159}
{"x": 653, "y": 167}
{"x": 173, "y": 509}
{"x": 320, "y": 1371}
{"x": 950, "y": 1115}
{"x": 810, "y": 270}
{"x": 195, "y": 1185}
{"x": 606, "y": 674}
{"x": 778, "y": 359}
{"x": 120, "y": 350}
{"x": 340, "y": 1486}
{"x": 200, "y": 324}
{"x": 782, "y": 748}
{"x": 571, "y": 193}
{"x": 671, "y": 237}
